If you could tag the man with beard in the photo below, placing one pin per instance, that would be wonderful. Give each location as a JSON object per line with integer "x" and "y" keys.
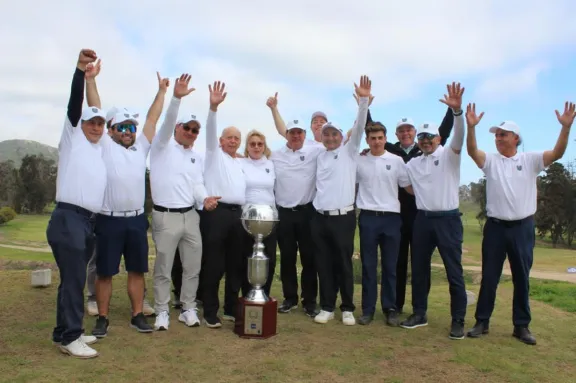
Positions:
{"x": 122, "y": 226}
{"x": 510, "y": 206}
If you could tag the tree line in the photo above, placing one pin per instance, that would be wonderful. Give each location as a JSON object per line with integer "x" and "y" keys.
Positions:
{"x": 556, "y": 203}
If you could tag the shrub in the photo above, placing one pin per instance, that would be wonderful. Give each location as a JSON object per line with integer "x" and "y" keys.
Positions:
{"x": 7, "y": 214}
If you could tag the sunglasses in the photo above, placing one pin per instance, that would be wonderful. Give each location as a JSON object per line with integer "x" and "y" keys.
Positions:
{"x": 123, "y": 128}
{"x": 188, "y": 128}
{"x": 256, "y": 144}
{"x": 426, "y": 136}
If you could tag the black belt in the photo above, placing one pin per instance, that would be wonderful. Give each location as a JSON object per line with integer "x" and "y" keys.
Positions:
{"x": 297, "y": 207}
{"x": 509, "y": 223}
{"x": 445, "y": 213}
{"x": 77, "y": 209}
{"x": 377, "y": 213}
{"x": 180, "y": 210}
{"x": 229, "y": 206}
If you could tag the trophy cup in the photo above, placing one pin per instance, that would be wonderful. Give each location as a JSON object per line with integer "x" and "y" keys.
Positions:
{"x": 257, "y": 313}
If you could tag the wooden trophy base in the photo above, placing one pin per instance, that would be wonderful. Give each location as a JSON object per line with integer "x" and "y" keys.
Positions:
{"x": 256, "y": 320}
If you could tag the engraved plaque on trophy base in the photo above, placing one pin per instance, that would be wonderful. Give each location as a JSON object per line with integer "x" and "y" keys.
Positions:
{"x": 256, "y": 320}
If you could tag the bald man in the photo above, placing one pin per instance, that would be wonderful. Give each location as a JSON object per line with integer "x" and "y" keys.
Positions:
{"x": 221, "y": 228}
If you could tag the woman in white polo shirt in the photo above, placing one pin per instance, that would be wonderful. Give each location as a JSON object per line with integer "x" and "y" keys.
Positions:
{"x": 260, "y": 177}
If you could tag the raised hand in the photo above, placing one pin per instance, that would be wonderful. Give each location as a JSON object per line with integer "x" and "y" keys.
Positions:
{"x": 272, "y": 102}
{"x": 86, "y": 57}
{"x": 358, "y": 101}
{"x": 567, "y": 118}
{"x": 471, "y": 118}
{"x": 217, "y": 93}
{"x": 365, "y": 87}
{"x": 181, "y": 86}
{"x": 93, "y": 69}
{"x": 210, "y": 203}
{"x": 163, "y": 83}
{"x": 454, "y": 97}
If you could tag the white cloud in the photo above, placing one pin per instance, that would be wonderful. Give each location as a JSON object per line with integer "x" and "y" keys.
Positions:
{"x": 504, "y": 86}
{"x": 310, "y": 52}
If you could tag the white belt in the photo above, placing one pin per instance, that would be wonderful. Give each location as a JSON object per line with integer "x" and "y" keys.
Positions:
{"x": 129, "y": 213}
{"x": 343, "y": 211}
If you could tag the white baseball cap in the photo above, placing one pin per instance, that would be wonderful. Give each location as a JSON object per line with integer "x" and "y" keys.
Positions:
{"x": 509, "y": 126}
{"x": 187, "y": 118}
{"x": 405, "y": 121}
{"x": 91, "y": 112}
{"x": 428, "y": 127}
{"x": 123, "y": 116}
{"x": 294, "y": 124}
{"x": 111, "y": 113}
{"x": 333, "y": 126}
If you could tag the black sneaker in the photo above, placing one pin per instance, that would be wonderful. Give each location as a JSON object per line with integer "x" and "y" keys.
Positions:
{"x": 392, "y": 318}
{"x": 100, "y": 329}
{"x": 311, "y": 310}
{"x": 365, "y": 319}
{"x": 212, "y": 321}
{"x": 286, "y": 306}
{"x": 457, "y": 329}
{"x": 140, "y": 324}
{"x": 524, "y": 335}
{"x": 479, "y": 329}
{"x": 414, "y": 321}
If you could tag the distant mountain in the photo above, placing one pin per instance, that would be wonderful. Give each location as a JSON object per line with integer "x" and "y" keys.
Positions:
{"x": 16, "y": 150}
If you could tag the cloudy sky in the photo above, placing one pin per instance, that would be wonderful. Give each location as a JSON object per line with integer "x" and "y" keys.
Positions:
{"x": 516, "y": 58}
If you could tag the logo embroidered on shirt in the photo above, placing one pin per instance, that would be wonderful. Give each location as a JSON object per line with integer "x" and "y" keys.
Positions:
{"x": 301, "y": 158}
{"x": 133, "y": 148}
{"x": 267, "y": 170}
{"x": 388, "y": 167}
{"x": 519, "y": 167}
{"x": 95, "y": 110}
{"x": 336, "y": 157}
{"x": 436, "y": 162}
{"x": 193, "y": 160}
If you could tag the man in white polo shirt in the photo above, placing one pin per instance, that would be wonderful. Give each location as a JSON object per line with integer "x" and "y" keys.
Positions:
{"x": 80, "y": 186}
{"x": 122, "y": 226}
{"x": 435, "y": 178}
{"x": 222, "y": 229}
{"x": 510, "y": 206}
{"x": 177, "y": 186}
{"x": 334, "y": 223}
{"x": 295, "y": 188}
{"x": 379, "y": 176}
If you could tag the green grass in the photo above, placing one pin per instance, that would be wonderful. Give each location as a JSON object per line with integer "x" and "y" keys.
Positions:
{"x": 24, "y": 255}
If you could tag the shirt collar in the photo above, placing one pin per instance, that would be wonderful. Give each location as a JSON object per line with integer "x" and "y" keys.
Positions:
{"x": 515, "y": 157}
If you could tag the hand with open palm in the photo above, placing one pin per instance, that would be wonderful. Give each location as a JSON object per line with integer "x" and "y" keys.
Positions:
{"x": 181, "y": 86}
{"x": 365, "y": 87}
{"x": 454, "y": 97}
{"x": 217, "y": 94}
{"x": 567, "y": 118}
{"x": 472, "y": 119}
{"x": 92, "y": 70}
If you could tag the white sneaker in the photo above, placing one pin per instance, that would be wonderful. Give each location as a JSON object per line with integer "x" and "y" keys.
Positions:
{"x": 162, "y": 321}
{"x": 79, "y": 349}
{"x": 92, "y": 308}
{"x": 348, "y": 318}
{"x": 324, "y": 317}
{"x": 147, "y": 309}
{"x": 190, "y": 317}
{"x": 87, "y": 339}
{"x": 229, "y": 318}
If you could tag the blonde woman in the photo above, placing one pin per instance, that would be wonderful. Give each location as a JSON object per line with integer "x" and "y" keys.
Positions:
{"x": 260, "y": 178}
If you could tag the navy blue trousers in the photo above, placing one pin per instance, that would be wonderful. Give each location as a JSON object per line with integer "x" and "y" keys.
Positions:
{"x": 382, "y": 230}
{"x": 517, "y": 239}
{"x": 70, "y": 234}
{"x": 442, "y": 230}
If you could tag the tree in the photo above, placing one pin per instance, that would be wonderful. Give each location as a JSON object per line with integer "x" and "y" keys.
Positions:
{"x": 8, "y": 183}
{"x": 36, "y": 184}
{"x": 478, "y": 195}
{"x": 148, "y": 204}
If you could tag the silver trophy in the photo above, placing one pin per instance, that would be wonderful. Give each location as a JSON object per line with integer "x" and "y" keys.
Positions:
{"x": 258, "y": 221}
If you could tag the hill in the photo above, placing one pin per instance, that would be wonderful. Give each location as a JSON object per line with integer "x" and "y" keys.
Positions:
{"x": 16, "y": 150}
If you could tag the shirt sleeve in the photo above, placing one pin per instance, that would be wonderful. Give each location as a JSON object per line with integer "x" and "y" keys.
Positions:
{"x": 403, "y": 179}
{"x": 166, "y": 132}
{"x": 536, "y": 161}
{"x": 487, "y": 163}
{"x": 142, "y": 144}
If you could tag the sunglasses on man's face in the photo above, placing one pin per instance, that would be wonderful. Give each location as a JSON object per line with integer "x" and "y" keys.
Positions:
{"x": 426, "y": 136}
{"x": 188, "y": 128}
{"x": 123, "y": 128}
{"x": 256, "y": 144}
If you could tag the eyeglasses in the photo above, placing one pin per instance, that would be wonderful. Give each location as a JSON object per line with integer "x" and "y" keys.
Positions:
{"x": 193, "y": 129}
{"x": 256, "y": 144}
{"x": 123, "y": 128}
{"x": 426, "y": 136}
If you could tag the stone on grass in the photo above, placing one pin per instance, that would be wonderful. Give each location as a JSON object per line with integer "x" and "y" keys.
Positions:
{"x": 41, "y": 278}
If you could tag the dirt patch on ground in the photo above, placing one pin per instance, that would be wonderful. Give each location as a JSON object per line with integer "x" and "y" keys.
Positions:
{"x": 26, "y": 265}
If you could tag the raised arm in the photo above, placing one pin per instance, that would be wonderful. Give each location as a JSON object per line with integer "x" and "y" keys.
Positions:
{"x": 472, "y": 120}
{"x": 217, "y": 96}
{"x": 454, "y": 101}
{"x": 364, "y": 97}
{"x": 445, "y": 127}
{"x": 155, "y": 110}
{"x": 272, "y": 103}
{"x": 566, "y": 120}
{"x": 92, "y": 96}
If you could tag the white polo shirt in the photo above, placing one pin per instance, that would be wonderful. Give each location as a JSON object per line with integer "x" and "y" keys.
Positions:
{"x": 126, "y": 170}
{"x": 435, "y": 179}
{"x": 296, "y": 174}
{"x": 224, "y": 173}
{"x": 260, "y": 179}
{"x": 511, "y": 184}
{"x": 336, "y": 169}
{"x": 378, "y": 179}
{"x": 176, "y": 178}
{"x": 81, "y": 177}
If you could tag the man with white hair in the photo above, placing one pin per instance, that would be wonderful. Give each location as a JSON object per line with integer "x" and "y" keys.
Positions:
{"x": 122, "y": 225}
{"x": 80, "y": 186}
{"x": 435, "y": 178}
{"x": 511, "y": 200}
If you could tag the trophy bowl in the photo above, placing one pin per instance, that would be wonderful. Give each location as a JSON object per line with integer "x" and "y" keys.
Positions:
{"x": 259, "y": 220}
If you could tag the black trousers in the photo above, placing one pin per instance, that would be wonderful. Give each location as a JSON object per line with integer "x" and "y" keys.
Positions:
{"x": 70, "y": 234}
{"x": 222, "y": 234}
{"x": 177, "y": 268}
{"x": 334, "y": 242}
{"x": 442, "y": 230}
{"x": 515, "y": 239}
{"x": 295, "y": 236}
{"x": 269, "y": 250}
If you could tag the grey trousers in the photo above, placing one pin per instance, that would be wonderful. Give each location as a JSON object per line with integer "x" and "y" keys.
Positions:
{"x": 91, "y": 277}
{"x": 171, "y": 231}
